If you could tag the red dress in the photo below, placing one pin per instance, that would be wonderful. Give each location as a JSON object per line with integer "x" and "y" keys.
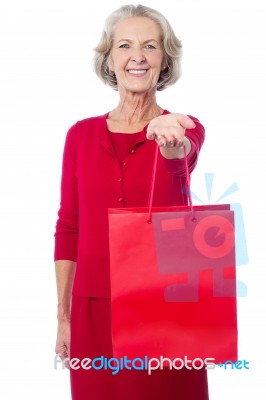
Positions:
{"x": 93, "y": 180}
{"x": 91, "y": 305}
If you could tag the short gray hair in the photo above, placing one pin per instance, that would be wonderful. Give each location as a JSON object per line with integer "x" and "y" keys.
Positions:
{"x": 172, "y": 47}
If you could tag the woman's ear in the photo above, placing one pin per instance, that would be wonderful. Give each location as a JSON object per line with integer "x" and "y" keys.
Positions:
{"x": 163, "y": 66}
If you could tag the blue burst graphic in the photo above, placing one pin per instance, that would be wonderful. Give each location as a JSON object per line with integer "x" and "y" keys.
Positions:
{"x": 240, "y": 239}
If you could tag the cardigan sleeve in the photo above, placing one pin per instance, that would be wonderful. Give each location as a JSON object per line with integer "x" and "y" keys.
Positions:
{"x": 67, "y": 225}
{"x": 196, "y": 137}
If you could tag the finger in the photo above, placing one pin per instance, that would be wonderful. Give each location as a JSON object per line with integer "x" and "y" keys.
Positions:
{"x": 62, "y": 350}
{"x": 174, "y": 144}
{"x": 158, "y": 138}
{"x": 65, "y": 357}
{"x": 67, "y": 364}
{"x": 65, "y": 361}
{"x": 150, "y": 135}
{"x": 175, "y": 139}
{"x": 161, "y": 140}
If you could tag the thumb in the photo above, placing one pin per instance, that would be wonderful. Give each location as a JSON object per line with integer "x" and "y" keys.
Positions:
{"x": 185, "y": 121}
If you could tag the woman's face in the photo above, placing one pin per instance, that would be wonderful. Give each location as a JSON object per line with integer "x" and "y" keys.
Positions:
{"x": 136, "y": 56}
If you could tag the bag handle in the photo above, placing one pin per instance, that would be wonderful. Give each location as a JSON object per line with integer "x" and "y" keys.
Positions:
{"x": 151, "y": 194}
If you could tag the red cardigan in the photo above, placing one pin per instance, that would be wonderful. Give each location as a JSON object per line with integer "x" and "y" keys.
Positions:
{"x": 93, "y": 180}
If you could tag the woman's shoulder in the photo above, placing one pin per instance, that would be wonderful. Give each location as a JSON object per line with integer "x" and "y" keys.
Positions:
{"x": 90, "y": 121}
{"x": 86, "y": 128}
{"x": 87, "y": 125}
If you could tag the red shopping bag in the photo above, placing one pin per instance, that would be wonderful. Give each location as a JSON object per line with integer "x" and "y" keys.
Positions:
{"x": 173, "y": 282}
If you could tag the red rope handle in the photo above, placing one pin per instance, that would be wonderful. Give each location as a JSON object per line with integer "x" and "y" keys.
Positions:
{"x": 151, "y": 194}
{"x": 188, "y": 191}
{"x": 149, "y": 220}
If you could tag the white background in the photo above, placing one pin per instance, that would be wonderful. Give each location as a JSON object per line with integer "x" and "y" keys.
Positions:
{"x": 47, "y": 84}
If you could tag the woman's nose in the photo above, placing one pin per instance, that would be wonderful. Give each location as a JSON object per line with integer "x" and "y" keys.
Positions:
{"x": 138, "y": 56}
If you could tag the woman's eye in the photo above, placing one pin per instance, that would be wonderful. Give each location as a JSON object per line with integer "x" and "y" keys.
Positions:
{"x": 124, "y": 46}
{"x": 150, "y": 47}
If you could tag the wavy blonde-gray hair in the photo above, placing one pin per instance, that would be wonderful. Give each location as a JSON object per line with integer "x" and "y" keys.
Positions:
{"x": 172, "y": 47}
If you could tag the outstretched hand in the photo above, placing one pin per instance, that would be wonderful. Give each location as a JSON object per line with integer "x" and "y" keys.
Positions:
{"x": 169, "y": 132}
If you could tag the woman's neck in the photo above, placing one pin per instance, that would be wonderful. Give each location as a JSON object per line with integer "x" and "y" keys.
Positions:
{"x": 135, "y": 109}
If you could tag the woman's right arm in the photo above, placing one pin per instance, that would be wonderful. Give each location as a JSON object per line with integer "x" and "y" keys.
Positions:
{"x": 65, "y": 272}
{"x": 66, "y": 243}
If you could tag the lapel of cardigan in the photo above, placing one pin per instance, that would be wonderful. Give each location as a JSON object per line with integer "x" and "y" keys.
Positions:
{"x": 105, "y": 139}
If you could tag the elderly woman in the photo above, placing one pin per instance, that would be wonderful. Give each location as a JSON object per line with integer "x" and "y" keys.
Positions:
{"x": 108, "y": 162}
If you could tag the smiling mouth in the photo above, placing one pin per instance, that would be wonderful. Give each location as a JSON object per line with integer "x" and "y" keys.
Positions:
{"x": 137, "y": 71}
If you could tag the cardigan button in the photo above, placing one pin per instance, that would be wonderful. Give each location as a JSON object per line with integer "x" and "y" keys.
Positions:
{"x": 120, "y": 199}
{"x": 132, "y": 151}
{"x": 124, "y": 164}
{"x": 119, "y": 179}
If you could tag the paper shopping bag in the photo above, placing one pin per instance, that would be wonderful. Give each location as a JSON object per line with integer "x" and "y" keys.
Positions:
{"x": 173, "y": 283}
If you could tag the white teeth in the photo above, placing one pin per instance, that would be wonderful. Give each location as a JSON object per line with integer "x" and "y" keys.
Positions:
{"x": 136, "y": 71}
